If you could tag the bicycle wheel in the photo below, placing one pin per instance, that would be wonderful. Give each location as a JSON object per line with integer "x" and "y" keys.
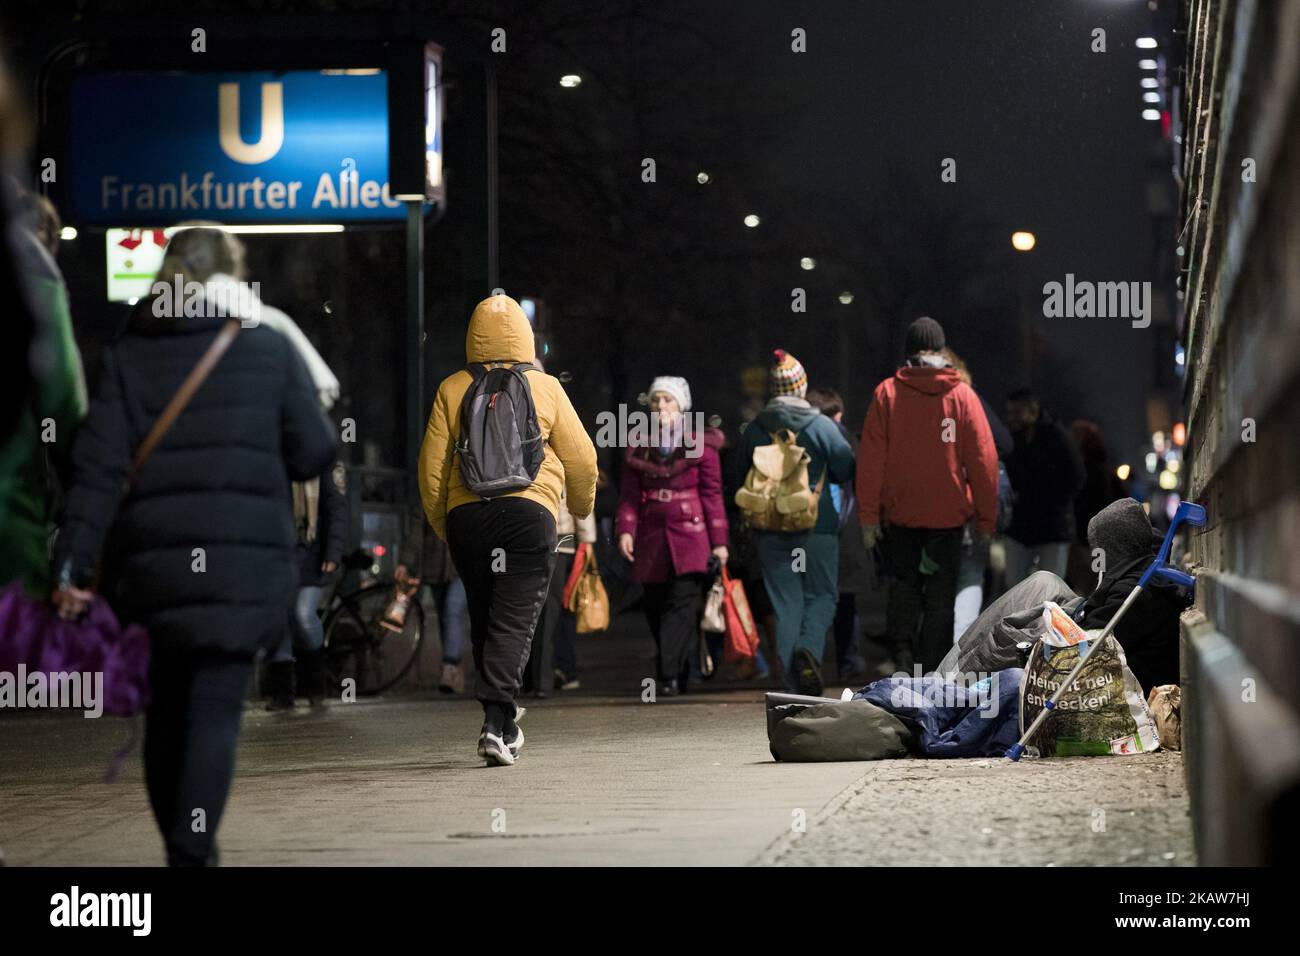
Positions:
{"x": 358, "y": 647}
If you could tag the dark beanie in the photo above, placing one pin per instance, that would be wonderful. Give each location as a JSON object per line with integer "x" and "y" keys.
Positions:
{"x": 924, "y": 335}
{"x": 1122, "y": 530}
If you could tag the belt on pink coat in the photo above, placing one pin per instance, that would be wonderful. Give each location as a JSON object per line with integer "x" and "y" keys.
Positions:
{"x": 667, "y": 494}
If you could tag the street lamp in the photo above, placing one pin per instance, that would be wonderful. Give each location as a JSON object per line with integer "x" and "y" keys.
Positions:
{"x": 68, "y": 233}
{"x": 1023, "y": 241}
{"x": 846, "y": 298}
{"x": 570, "y": 80}
{"x": 703, "y": 178}
{"x": 807, "y": 264}
{"x": 751, "y": 220}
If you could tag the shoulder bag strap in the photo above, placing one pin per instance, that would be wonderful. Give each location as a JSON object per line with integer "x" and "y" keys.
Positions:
{"x": 183, "y": 395}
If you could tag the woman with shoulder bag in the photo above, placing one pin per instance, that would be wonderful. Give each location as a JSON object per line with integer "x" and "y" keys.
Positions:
{"x": 200, "y": 549}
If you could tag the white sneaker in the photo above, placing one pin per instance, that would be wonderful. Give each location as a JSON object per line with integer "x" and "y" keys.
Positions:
{"x": 517, "y": 744}
{"x": 494, "y": 750}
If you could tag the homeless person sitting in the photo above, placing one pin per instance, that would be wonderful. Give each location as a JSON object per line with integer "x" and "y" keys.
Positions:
{"x": 949, "y": 715}
{"x": 1148, "y": 633}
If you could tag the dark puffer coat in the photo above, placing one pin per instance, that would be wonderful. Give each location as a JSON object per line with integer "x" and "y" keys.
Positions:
{"x": 218, "y": 481}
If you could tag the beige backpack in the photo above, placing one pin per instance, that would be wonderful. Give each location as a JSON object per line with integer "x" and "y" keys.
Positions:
{"x": 776, "y": 495}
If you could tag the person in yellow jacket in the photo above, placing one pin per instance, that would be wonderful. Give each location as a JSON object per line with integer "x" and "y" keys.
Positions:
{"x": 504, "y": 547}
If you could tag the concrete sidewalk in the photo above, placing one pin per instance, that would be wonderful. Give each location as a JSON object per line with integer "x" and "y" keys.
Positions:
{"x": 603, "y": 779}
{"x": 600, "y": 781}
{"x": 1075, "y": 811}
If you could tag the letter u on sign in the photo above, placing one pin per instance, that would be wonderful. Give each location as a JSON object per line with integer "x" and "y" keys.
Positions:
{"x": 272, "y": 138}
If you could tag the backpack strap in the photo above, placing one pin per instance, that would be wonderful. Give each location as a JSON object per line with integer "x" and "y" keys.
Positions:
{"x": 479, "y": 369}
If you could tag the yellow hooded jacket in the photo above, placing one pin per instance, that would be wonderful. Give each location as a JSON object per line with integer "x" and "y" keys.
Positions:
{"x": 498, "y": 330}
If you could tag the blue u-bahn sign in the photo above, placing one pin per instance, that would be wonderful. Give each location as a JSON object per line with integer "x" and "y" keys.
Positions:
{"x": 296, "y": 147}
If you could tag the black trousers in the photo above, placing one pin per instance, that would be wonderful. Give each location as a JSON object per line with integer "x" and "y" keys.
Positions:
{"x": 672, "y": 609}
{"x": 924, "y": 598}
{"x": 504, "y": 550}
{"x": 191, "y": 733}
{"x": 539, "y": 675}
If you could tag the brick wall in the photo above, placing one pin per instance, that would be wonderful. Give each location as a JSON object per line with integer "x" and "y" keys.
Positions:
{"x": 1241, "y": 242}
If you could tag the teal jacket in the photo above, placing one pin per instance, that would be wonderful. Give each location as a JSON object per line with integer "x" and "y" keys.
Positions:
{"x": 823, "y": 439}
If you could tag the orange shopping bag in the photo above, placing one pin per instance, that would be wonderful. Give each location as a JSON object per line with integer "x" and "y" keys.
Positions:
{"x": 742, "y": 635}
{"x": 575, "y": 575}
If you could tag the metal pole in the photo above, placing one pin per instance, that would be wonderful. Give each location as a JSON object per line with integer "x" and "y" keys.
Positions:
{"x": 845, "y": 383}
{"x": 414, "y": 340}
{"x": 1025, "y": 329}
{"x": 494, "y": 277}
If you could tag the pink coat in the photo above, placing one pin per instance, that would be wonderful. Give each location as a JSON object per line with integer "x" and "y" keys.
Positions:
{"x": 673, "y": 509}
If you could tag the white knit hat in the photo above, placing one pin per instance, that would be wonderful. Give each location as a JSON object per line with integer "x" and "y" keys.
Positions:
{"x": 674, "y": 385}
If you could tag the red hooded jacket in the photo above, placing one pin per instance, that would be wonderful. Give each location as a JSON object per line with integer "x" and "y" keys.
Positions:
{"x": 927, "y": 458}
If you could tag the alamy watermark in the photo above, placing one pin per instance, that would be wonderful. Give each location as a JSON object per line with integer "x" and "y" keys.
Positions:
{"x": 237, "y": 300}
{"x": 1098, "y": 300}
{"x": 640, "y": 429}
{"x": 76, "y": 690}
{"x": 133, "y": 911}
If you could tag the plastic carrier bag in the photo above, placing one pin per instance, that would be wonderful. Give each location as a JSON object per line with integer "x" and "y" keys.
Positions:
{"x": 1103, "y": 712}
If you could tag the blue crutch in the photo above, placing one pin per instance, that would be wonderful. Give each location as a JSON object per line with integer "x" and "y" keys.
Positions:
{"x": 1187, "y": 513}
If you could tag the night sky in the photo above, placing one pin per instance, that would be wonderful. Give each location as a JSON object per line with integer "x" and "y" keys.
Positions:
{"x": 1047, "y": 136}
{"x": 838, "y": 149}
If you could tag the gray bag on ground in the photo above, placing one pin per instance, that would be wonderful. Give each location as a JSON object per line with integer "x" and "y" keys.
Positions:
{"x": 835, "y": 730}
{"x": 500, "y": 444}
{"x": 989, "y": 644}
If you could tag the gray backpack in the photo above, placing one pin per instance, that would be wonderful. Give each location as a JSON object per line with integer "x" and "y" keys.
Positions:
{"x": 500, "y": 442}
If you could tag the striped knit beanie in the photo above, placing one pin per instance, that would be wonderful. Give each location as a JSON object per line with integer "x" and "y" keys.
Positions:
{"x": 786, "y": 376}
